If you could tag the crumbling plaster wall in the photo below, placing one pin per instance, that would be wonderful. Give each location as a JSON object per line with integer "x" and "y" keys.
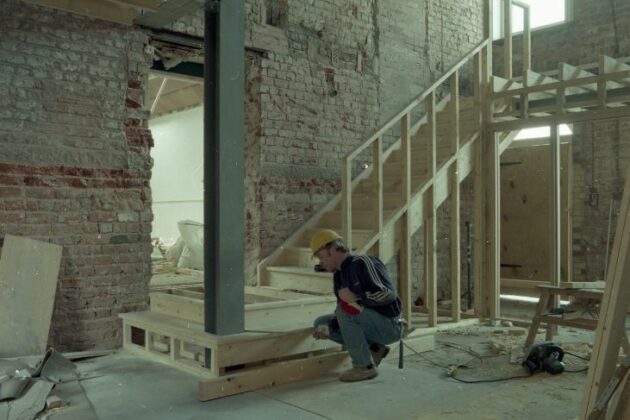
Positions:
{"x": 75, "y": 164}
{"x": 601, "y": 150}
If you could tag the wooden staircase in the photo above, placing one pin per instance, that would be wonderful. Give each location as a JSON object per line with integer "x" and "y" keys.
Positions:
{"x": 379, "y": 209}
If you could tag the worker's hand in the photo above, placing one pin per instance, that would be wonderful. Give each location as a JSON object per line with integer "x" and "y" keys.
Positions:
{"x": 321, "y": 332}
{"x": 319, "y": 335}
{"x": 347, "y": 296}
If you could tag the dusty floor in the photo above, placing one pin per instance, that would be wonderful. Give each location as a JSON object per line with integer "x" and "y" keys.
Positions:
{"x": 122, "y": 386}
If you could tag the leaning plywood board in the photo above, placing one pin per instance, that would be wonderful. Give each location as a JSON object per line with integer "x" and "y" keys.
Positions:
{"x": 525, "y": 175}
{"x": 28, "y": 279}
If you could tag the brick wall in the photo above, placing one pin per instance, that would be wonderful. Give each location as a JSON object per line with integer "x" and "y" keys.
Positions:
{"x": 328, "y": 74}
{"x": 600, "y": 150}
{"x": 74, "y": 162}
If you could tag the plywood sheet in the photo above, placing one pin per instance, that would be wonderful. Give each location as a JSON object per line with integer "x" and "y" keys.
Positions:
{"x": 525, "y": 177}
{"x": 28, "y": 279}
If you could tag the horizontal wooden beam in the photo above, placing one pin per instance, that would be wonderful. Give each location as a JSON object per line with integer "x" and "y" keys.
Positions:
{"x": 272, "y": 375}
{"x": 111, "y": 12}
{"x": 568, "y": 118}
{"x": 151, "y": 5}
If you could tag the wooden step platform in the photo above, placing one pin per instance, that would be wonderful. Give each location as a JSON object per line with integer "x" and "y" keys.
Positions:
{"x": 276, "y": 347}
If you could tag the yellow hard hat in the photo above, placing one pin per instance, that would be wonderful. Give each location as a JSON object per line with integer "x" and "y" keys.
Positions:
{"x": 321, "y": 238}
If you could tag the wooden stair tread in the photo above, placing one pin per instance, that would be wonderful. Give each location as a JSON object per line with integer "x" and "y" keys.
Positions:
{"x": 299, "y": 270}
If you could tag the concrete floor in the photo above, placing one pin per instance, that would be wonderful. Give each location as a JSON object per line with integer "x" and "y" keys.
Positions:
{"x": 123, "y": 386}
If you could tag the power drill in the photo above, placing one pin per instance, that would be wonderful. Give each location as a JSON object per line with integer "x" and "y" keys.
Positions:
{"x": 545, "y": 356}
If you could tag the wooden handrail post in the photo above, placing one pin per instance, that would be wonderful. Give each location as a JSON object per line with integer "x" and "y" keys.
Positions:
{"x": 561, "y": 100}
{"x": 377, "y": 161}
{"x": 454, "y": 82}
{"x": 601, "y": 84}
{"x": 346, "y": 202}
{"x": 430, "y": 255}
{"x": 507, "y": 37}
{"x": 432, "y": 139}
{"x": 405, "y": 148}
{"x": 527, "y": 40}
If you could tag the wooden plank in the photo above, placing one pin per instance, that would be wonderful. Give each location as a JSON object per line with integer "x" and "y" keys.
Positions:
{"x": 29, "y": 270}
{"x": 99, "y": 9}
{"x": 454, "y": 88}
{"x": 455, "y": 245}
{"x": 583, "y": 284}
{"x": 377, "y": 157}
{"x": 493, "y": 228}
{"x": 430, "y": 256}
{"x": 478, "y": 227}
{"x": 346, "y": 202}
{"x": 432, "y": 137}
{"x": 555, "y": 234}
{"x": 275, "y": 374}
{"x": 507, "y": 39}
{"x": 527, "y": 40}
{"x": 613, "y": 310}
{"x": 406, "y": 280}
{"x": 150, "y": 5}
{"x": 520, "y": 284}
{"x": 568, "y": 118}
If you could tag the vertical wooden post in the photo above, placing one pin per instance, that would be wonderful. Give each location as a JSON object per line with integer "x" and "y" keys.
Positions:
{"x": 377, "y": 174}
{"x": 601, "y": 84}
{"x": 569, "y": 212}
{"x": 527, "y": 40}
{"x": 561, "y": 100}
{"x": 612, "y": 314}
{"x": 405, "y": 148}
{"x": 432, "y": 139}
{"x": 507, "y": 38}
{"x": 479, "y": 227}
{"x": 454, "y": 88}
{"x": 555, "y": 234}
{"x": 455, "y": 204}
{"x": 405, "y": 267}
{"x": 346, "y": 202}
{"x": 493, "y": 225}
{"x": 430, "y": 226}
{"x": 405, "y": 231}
{"x": 430, "y": 255}
{"x": 455, "y": 244}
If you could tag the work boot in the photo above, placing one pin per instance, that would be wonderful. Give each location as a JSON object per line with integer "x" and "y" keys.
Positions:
{"x": 379, "y": 352}
{"x": 358, "y": 373}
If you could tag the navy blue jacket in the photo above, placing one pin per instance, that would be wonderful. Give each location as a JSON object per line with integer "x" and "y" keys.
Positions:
{"x": 367, "y": 278}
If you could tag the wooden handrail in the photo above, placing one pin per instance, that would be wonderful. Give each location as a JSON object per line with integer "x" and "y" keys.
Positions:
{"x": 396, "y": 117}
{"x": 625, "y": 74}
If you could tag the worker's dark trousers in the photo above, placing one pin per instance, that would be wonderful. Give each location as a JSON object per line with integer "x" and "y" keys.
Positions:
{"x": 358, "y": 332}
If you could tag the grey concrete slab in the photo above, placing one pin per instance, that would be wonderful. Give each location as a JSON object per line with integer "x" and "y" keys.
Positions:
{"x": 124, "y": 386}
{"x": 136, "y": 388}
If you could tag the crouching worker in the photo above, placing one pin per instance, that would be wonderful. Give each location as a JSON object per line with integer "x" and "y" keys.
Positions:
{"x": 368, "y": 307}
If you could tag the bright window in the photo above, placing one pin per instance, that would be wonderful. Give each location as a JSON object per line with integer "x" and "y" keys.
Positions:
{"x": 542, "y": 13}
{"x": 542, "y": 132}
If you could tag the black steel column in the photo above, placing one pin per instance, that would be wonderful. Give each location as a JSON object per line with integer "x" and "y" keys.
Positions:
{"x": 224, "y": 170}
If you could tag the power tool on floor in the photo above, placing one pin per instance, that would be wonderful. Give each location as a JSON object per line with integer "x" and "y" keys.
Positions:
{"x": 545, "y": 356}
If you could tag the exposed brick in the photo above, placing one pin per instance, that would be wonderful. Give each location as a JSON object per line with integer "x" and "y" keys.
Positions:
{"x": 68, "y": 166}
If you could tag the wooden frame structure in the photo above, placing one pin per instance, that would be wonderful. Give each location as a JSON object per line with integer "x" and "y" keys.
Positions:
{"x": 276, "y": 347}
{"x": 379, "y": 209}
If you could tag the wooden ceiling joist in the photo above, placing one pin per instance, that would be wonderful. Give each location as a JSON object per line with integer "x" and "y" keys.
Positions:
{"x": 151, "y": 5}
{"x": 105, "y": 10}
{"x": 118, "y": 11}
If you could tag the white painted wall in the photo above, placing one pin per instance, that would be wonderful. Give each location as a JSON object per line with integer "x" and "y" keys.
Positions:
{"x": 177, "y": 178}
